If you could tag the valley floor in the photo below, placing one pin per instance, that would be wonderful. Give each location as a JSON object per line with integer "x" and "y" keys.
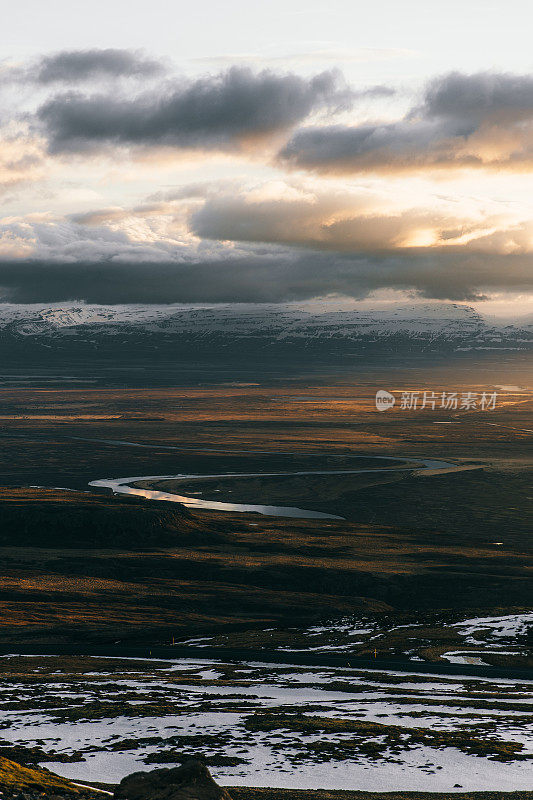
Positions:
{"x": 421, "y": 567}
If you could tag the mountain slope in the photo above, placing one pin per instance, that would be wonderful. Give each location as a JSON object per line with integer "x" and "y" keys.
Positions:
{"x": 323, "y": 327}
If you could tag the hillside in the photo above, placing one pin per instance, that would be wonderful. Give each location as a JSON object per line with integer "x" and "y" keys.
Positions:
{"x": 38, "y": 517}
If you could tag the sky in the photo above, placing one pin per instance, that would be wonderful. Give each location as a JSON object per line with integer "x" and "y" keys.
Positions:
{"x": 246, "y": 152}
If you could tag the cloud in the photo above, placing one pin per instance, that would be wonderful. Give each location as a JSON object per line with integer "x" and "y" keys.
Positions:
{"x": 471, "y": 99}
{"x": 65, "y": 241}
{"x": 353, "y": 220}
{"x": 65, "y": 261}
{"x": 313, "y": 55}
{"x": 463, "y": 121}
{"x": 296, "y": 213}
{"x": 260, "y": 277}
{"x": 73, "y": 66}
{"x": 21, "y": 158}
{"x": 240, "y": 239}
{"x": 218, "y": 112}
{"x": 472, "y": 121}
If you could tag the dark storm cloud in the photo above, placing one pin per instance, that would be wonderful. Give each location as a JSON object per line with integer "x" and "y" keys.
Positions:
{"x": 73, "y": 66}
{"x": 401, "y": 145}
{"x": 478, "y": 97}
{"x": 263, "y": 277}
{"x": 212, "y": 112}
{"x": 464, "y": 120}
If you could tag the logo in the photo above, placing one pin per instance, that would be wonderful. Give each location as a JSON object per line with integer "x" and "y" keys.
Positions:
{"x": 430, "y": 400}
{"x": 384, "y": 400}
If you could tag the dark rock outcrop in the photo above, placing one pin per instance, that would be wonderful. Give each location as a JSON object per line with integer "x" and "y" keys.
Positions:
{"x": 190, "y": 781}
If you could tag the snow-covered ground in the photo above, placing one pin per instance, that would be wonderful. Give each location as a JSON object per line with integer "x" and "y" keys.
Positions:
{"x": 495, "y": 631}
{"x": 470, "y": 641}
{"x": 118, "y": 716}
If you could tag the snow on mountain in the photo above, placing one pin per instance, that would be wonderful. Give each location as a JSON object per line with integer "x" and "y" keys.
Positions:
{"x": 316, "y": 323}
{"x": 312, "y": 315}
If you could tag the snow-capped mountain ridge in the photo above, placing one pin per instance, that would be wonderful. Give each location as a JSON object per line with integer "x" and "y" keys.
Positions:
{"x": 315, "y": 324}
{"x": 81, "y": 314}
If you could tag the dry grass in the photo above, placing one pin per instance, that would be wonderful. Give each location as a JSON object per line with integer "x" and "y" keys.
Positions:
{"x": 414, "y": 543}
{"x": 15, "y": 778}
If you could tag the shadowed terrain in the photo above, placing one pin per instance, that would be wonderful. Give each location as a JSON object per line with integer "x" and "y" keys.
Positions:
{"x": 89, "y": 567}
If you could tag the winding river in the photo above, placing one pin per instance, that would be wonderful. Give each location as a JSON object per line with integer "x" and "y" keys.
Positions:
{"x": 124, "y": 486}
